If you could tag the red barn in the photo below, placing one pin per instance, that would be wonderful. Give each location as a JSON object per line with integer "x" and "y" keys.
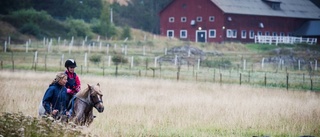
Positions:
{"x": 237, "y": 20}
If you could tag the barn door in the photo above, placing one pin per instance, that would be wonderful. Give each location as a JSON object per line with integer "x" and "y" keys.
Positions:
{"x": 201, "y": 35}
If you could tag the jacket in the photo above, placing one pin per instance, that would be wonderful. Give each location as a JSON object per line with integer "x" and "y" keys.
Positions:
{"x": 73, "y": 82}
{"x": 55, "y": 98}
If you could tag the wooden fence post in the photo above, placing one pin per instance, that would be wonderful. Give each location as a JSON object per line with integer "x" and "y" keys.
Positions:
{"x": 311, "y": 84}
{"x": 178, "y": 76}
{"x": 220, "y": 79}
{"x": 214, "y": 75}
{"x": 265, "y": 79}
{"x": 249, "y": 77}
{"x": 81, "y": 70}
{"x": 240, "y": 78}
{"x": 196, "y": 76}
{"x": 13, "y": 65}
{"x": 45, "y": 63}
{"x": 287, "y": 81}
{"x": 139, "y": 73}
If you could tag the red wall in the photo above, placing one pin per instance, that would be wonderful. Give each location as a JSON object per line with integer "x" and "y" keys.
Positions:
{"x": 194, "y": 8}
{"x": 206, "y": 8}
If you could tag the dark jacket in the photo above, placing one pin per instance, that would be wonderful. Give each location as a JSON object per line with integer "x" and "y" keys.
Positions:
{"x": 73, "y": 82}
{"x": 55, "y": 98}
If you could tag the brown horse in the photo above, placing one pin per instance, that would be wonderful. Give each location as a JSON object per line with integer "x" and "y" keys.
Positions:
{"x": 83, "y": 104}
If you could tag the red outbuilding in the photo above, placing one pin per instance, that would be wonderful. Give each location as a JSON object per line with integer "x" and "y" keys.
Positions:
{"x": 237, "y": 20}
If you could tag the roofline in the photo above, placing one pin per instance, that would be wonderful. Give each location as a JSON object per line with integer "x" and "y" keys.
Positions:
{"x": 166, "y": 6}
{"x": 271, "y": 16}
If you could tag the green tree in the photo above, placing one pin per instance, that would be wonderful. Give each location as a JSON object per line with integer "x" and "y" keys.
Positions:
{"x": 8, "y": 6}
{"x": 126, "y": 32}
{"x": 106, "y": 28}
{"x": 142, "y": 14}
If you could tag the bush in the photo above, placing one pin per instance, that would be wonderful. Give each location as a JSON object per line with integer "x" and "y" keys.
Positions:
{"x": 126, "y": 33}
{"x": 96, "y": 59}
{"x": 38, "y": 23}
{"x": 78, "y": 28}
{"x": 31, "y": 28}
{"x": 119, "y": 59}
{"x": 24, "y": 16}
{"x": 16, "y": 124}
{"x": 216, "y": 64}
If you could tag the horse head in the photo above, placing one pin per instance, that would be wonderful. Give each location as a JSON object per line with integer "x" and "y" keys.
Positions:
{"x": 96, "y": 97}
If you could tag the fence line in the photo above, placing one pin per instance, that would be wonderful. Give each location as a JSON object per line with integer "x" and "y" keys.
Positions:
{"x": 283, "y": 40}
{"x": 268, "y": 79}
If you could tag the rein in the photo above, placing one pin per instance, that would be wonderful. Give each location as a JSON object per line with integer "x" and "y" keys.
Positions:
{"x": 90, "y": 103}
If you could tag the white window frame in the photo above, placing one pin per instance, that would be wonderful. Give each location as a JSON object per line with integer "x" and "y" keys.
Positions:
{"x": 243, "y": 34}
{"x": 234, "y": 33}
{"x": 183, "y": 19}
{"x": 172, "y": 31}
{"x": 282, "y": 34}
{"x": 215, "y": 33}
{"x": 251, "y": 34}
{"x": 171, "y": 19}
{"x": 211, "y": 18}
{"x": 186, "y": 32}
{"x": 199, "y": 19}
{"x": 259, "y": 33}
{"x": 229, "y": 33}
{"x": 267, "y": 33}
{"x": 274, "y": 34}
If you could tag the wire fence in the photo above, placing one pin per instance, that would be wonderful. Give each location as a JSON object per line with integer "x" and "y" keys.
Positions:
{"x": 243, "y": 68}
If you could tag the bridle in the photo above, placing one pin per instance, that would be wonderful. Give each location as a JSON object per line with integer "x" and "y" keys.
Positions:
{"x": 95, "y": 103}
{"x": 90, "y": 102}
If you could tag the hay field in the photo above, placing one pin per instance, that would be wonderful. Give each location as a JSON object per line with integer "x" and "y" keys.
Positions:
{"x": 156, "y": 107}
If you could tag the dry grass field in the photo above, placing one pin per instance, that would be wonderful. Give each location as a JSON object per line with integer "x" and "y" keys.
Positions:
{"x": 136, "y": 106}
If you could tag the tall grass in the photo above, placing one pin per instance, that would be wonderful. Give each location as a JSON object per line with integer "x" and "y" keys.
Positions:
{"x": 157, "y": 107}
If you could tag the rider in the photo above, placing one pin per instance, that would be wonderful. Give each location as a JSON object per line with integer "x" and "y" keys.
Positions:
{"x": 73, "y": 85}
{"x": 55, "y": 98}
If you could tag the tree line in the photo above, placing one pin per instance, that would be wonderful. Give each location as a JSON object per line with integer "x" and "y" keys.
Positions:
{"x": 140, "y": 14}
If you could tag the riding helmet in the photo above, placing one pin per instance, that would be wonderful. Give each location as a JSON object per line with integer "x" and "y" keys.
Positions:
{"x": 70, "y": 63}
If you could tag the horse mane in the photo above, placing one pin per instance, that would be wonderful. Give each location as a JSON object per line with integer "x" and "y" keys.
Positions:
{"x": 84, "y": 93}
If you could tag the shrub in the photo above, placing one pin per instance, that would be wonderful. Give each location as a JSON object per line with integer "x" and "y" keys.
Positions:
{"x": 95, "y": 58}
{"x": 126, "y": 33}
{"x": 16, "y": 124}
{"x": 78, "y": 28}
{"x": 119, "y": 59}
{"x": 24, "y": 16}
{"x": 217, "y": 64}
{"x": 31, "y": 28}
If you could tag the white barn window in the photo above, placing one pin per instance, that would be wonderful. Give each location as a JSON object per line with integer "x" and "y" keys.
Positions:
{"x": 211, "y": 18}
{"x": 183, "y": 19}
{"x": 231, "y": 33}
{"x": 171, "y": 19}
{"x": 267, "y": 33}
{"x": 274, "y": 34}
{"x": 170, "y": 33}
{"x": 243, "y": 34}
{"x": 183, "y": 34}
{"x": 199, "y": 19}
{"x": 281, "y": 34}
{"x": 251, "y": 34}
{"x": 212, "y": 33}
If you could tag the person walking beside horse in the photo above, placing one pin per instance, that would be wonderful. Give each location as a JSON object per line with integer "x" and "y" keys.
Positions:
{"x": 55, "y": 98}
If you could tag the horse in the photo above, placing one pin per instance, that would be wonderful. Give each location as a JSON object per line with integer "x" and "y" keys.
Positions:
{"x": 83, "y": 103}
